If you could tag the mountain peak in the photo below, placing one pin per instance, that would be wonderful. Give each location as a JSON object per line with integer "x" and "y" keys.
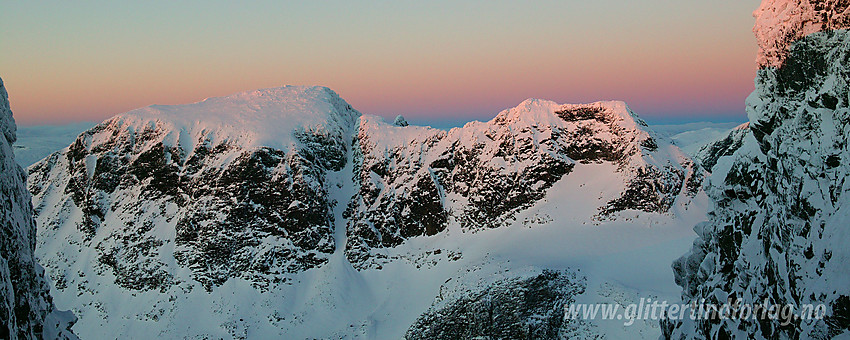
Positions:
{"x": 546, "y": 112}
{"x": 779, "y": 23}
{"x": 282, "y": 93}
{"x": 262, "y": 117}
{"x": 530, "y": 111}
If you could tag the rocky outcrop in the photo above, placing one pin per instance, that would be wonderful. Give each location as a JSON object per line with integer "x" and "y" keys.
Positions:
{"x": 400, "y": 121}
{"x": 229, "y": 198}
{"x": 26, "y": 308}
{"x": 515, "y": 308}
{"x": 414, "y": 181}
{"x": 781, "y": 23}
{"x": 779, "y": 229}
{"x": 708, "y": 155}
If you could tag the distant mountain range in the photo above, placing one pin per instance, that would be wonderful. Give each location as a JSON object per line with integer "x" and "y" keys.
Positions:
{"x": 35, "y": 142}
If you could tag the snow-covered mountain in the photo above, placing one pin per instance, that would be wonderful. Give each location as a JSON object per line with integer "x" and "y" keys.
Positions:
{"x": 26, "y": 308}
{"x": 286, "y": 212}
{"x": 413, "y": 180}
{"x": 228, "y": 187}
{"x": 709, "y": 153}
{"x": 779, "y": 231}
{"x": 691, "y": 137}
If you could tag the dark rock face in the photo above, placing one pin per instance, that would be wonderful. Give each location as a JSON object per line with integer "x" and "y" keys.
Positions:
{"x": 584, "y": 146}
{"x": 400, "y": 121}
{"x": 516, "y": 308}
{"x": 655, "y": 190}
{"x": 505, "y": 173}
{"x": 483, "y": 174}
{"x": 252, "y": 213}
{"x": 709, "y": 154}
{"x": 495, "y": 195}
{"x": 26, "y": 308}
{"x": 397, "y": 198}
{"x": 651, "y": 188}
{"x": 779, "y": 230}
{"x": 248, "y": 204}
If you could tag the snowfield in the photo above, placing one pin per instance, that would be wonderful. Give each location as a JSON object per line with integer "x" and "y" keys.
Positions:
{"x": 691, "y": 137}
{"x": 622, "y": 261}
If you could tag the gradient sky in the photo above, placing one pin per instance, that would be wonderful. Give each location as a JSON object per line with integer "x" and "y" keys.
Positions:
{"x": 436, "y": 62}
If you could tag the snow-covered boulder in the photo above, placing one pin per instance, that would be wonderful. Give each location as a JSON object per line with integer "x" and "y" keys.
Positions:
{"x": 400, "y": 121}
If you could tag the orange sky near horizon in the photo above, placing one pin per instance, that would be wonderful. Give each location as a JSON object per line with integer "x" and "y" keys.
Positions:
{"x": 437, "y": 61}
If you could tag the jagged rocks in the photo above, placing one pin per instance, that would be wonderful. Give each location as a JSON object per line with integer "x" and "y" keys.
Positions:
{"x": 26, "y": 308}
{"x": 514, "y": 308}
{"x": 400, "y": 121}
{"x": 709, "y": 154}
{"x": 779, "y": 229}
{"x": 397, "y": 195}
{"x": 414, "y": 181}
{"x": 781, "y": 23}
{"x": 153, "y": 187}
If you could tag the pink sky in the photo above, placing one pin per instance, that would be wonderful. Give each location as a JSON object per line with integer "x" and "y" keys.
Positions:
{"x": 435, "y": 61}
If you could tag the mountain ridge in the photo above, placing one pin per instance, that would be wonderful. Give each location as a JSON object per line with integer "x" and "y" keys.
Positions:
{"x": 221, "y": 208}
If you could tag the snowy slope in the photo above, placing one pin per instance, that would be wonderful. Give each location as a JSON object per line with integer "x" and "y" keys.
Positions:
{"x": 779, "y": 229}
{"x": 670, "y": 130}
{"x": 26, "y": 308}
{"x": 709, "y": 153}
{"x": 287, "y": 213}
{"x": 416, "y": 181}
{"x": 691, "y": 137}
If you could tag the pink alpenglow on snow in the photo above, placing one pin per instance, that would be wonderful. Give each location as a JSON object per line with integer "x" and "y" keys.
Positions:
{"x": 779, "y": 23}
